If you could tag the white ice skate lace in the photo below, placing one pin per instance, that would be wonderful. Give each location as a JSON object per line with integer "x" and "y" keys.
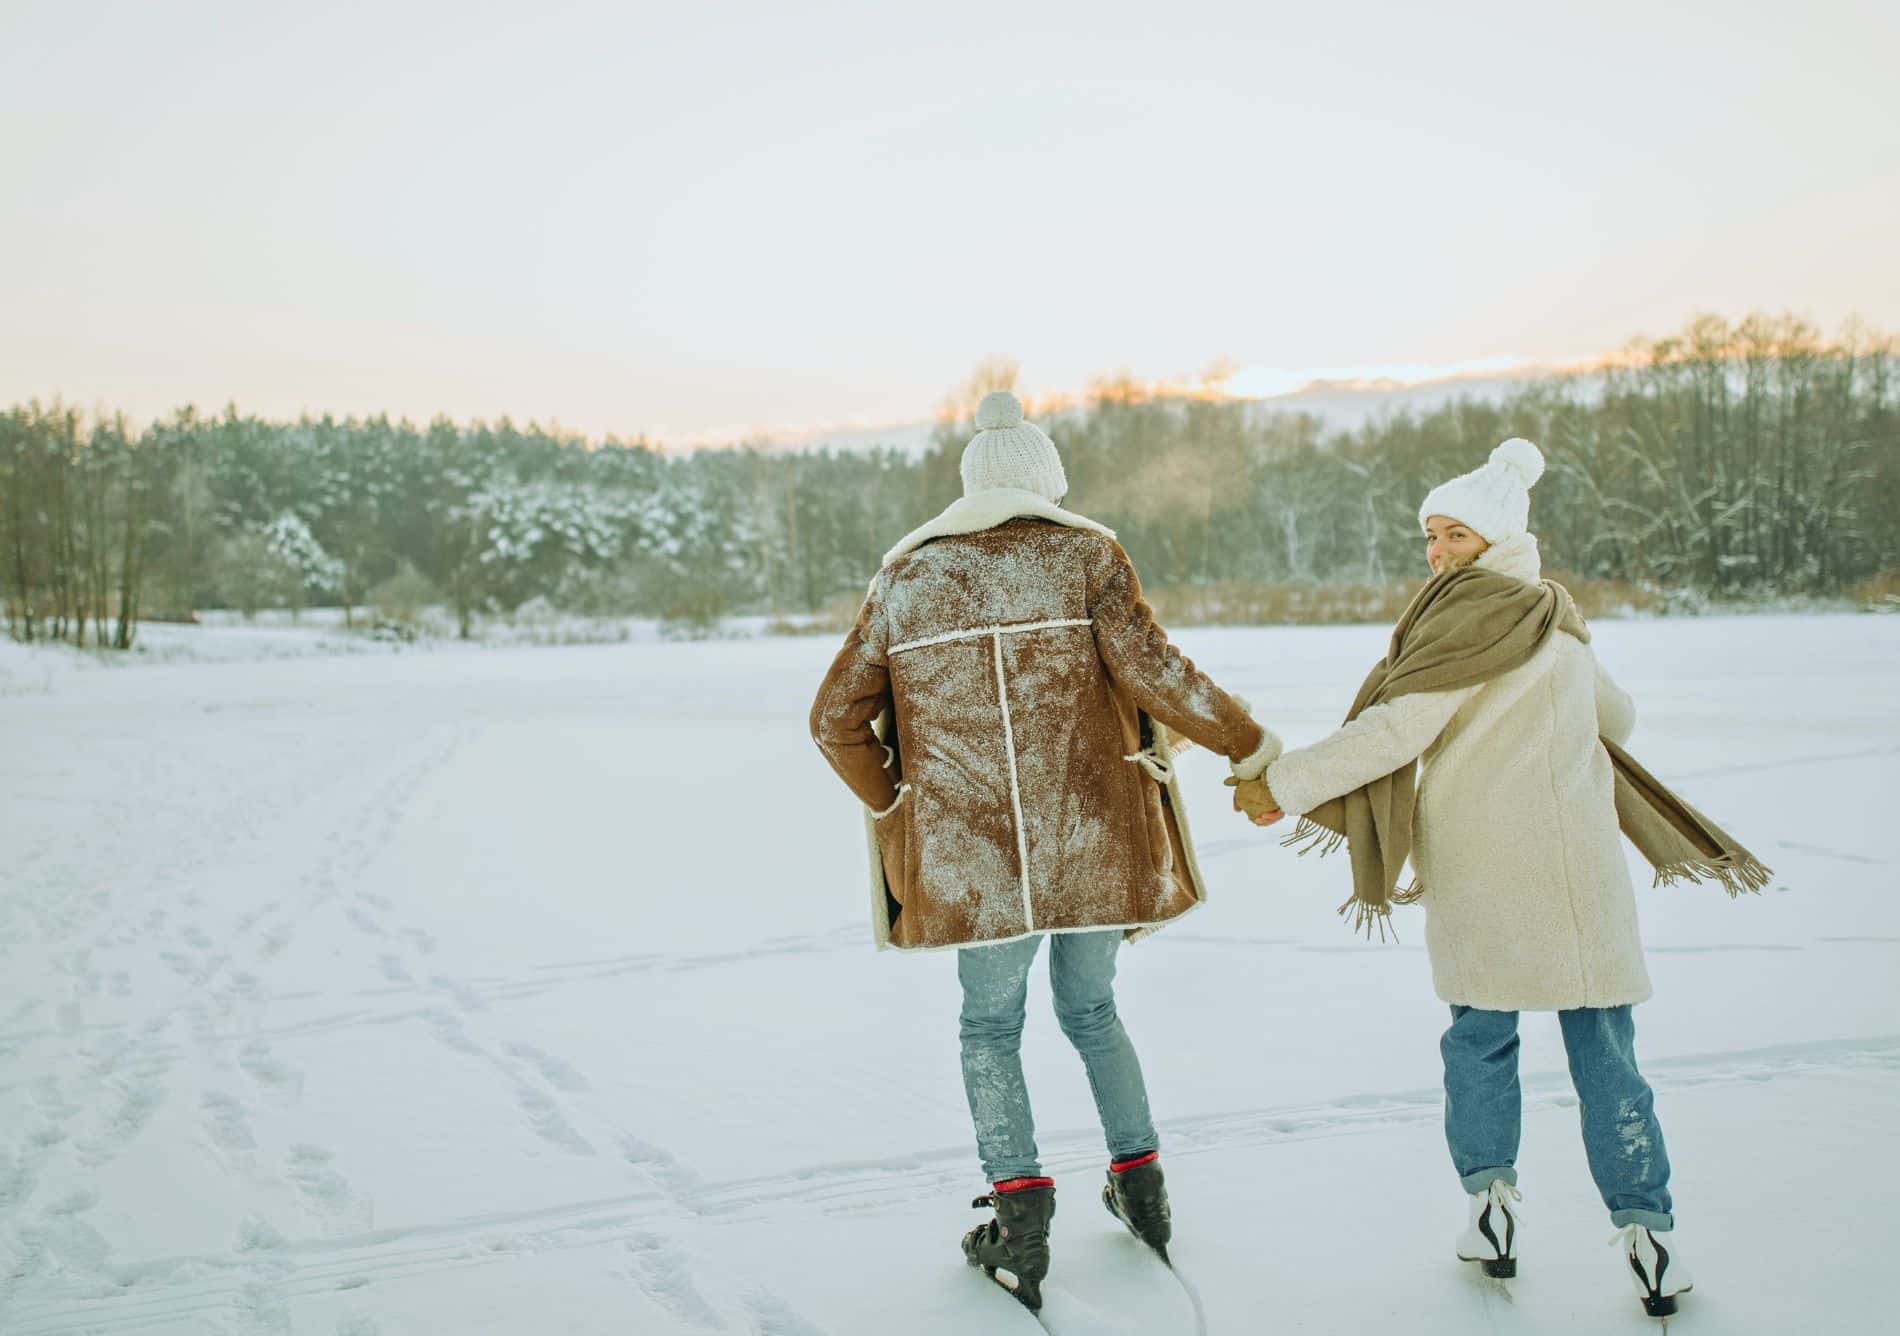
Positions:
{"x": 1626, "y": 1235}
{"x": 1499, "y": 1190}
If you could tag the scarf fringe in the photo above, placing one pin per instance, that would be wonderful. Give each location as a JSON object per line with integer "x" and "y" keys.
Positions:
{"x": 1309, "y": 837}
{"x": 1362, "y": 917}
{"x": 1735, "y": 875}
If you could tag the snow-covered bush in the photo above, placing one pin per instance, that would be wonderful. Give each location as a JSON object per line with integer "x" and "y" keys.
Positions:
{"x": 404, "y": 597}
{"x": 289, "y": 539}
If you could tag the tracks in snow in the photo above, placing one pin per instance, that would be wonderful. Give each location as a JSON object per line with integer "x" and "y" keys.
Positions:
{"x": 644, "y": 1222}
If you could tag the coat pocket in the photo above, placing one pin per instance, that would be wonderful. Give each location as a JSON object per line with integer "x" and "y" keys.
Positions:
{"x": 892, "y": 828}
{"x": 1146, "y": 793}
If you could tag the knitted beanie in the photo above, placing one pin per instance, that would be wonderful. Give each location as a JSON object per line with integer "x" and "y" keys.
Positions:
{"x": 1008, "y": 452}
{"x": 1494, "y": 502}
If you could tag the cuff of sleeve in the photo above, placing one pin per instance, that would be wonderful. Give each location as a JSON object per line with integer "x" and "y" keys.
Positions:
{"x": 1255, "y": 763}
{"x": 896, "y": 802}
{"x": 1283, "y": 780}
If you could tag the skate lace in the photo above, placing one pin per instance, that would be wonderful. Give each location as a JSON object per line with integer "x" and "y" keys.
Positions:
{"x": 1627, "y": 1236}
{"x": 1146, "y": 1214}
{"x": 1506, "y": 1197}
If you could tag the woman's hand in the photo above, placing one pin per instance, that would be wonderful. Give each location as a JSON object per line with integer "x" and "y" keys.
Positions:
{"x": 1255, "y": 799}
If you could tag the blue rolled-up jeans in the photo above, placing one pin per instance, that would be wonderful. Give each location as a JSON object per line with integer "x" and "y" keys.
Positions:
{"x": 1621, "y": 1137}
{"x": 995, "y": 988}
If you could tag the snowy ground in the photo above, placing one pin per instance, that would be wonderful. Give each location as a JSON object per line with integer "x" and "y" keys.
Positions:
{"x": 320, "y": 633}
{"x": 530, "y": 991}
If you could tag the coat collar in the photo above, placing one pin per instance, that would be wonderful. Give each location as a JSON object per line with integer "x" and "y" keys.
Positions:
{"x": 1516, "y": 557}
{"x": 987, "y": 509}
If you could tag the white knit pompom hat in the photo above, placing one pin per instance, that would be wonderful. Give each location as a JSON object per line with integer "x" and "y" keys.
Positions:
{"x": 1008, "y": 452}
{"x": 1495, "y": 501}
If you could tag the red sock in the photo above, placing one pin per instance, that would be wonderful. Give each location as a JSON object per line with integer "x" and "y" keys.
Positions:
{"x": 1018, "y": 1184}
{"x": 1123, "y": 1166}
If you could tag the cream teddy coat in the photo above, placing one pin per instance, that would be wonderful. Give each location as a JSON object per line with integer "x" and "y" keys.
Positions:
{"x": 1528, "y": 901}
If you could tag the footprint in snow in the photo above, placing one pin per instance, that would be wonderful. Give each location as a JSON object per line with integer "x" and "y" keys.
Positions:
{"x": 553, "y": 1070}
{"x": 659, "y": 1164}
{"x": 465, "y": 997}
{"x": 548, "y": 1122}
{"x": 772, "y": 1316}
{"x": 447, "y": 1030}
{"x": 325, "y": 1192}
{"x": 227, "y": 1122}
{"x": 664, "y": 1276}
{"x": 138, "y": 1101}
{"x": 264, "y": 1067}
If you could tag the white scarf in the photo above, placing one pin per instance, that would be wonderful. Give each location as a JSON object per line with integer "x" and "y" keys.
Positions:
{"x": 1516, "y": 556}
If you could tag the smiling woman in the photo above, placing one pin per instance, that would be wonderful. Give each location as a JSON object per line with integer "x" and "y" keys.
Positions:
{"x": 1461, "y": 518}
{"x": 1450, "y": 543}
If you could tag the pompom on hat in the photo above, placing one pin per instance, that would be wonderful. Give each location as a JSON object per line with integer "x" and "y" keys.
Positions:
{"x": 1494, "y": 502}
{"x": 1008, "y": 452}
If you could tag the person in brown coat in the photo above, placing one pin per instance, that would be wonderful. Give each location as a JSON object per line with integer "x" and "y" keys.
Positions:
{"x": 1006, "y": 709}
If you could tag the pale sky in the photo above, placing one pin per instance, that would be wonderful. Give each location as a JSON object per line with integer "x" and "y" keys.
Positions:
{"x": 693, "y": 220}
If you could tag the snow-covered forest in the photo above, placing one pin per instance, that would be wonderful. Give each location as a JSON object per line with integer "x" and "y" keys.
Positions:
{"x": 1728, "y": 461}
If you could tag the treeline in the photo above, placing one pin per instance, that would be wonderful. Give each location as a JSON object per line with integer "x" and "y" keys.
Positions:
{"x": 1730, "y": 459}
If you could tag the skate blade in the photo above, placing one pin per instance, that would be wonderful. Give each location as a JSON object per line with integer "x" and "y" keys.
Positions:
{"x": 1493, "y": 1272}
{"x": 1028, "y": 1293}
{"x": 1158, "y": 1249}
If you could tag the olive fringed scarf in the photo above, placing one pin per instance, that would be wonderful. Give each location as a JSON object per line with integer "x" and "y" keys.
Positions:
{"x": 1467, "y": 626}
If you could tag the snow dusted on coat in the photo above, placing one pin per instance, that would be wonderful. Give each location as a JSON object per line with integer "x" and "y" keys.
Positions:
{"x": 1017, "y": 662}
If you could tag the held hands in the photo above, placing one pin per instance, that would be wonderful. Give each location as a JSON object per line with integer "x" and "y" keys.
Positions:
{"x": 1253, "y": 797}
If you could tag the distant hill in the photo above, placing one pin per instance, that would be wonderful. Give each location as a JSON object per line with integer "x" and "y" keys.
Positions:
{"x": 1351, "y": 404}
{"x": 1346, "y": 405}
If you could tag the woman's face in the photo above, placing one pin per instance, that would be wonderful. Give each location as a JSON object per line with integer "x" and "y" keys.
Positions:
{"x": 1449, "y": 543}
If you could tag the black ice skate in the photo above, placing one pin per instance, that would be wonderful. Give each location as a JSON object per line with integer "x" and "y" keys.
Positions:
{"x": 1013, "y": 1248}
{"x": 1137, "y": 1195}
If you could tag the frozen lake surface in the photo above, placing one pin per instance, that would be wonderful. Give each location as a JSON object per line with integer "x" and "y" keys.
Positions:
{"x": 531, "y": 991}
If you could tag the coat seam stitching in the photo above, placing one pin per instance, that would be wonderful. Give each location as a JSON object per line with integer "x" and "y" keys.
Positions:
{"x": 1015, "y": 787}
{"x": 980, "y": 632}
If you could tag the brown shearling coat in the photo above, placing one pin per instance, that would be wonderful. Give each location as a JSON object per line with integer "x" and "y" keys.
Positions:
{"x": 1016, "y": 674}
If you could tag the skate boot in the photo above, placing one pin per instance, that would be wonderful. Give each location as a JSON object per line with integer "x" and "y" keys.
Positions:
{"x": 1490, "y": 1239}
{"x": 1013, "y": 1248}
{"x": 1137, "y": 1195}
{"x": 1656, "y": 1266}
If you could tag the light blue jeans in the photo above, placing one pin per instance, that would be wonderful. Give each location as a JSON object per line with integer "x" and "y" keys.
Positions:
{"x": 995, "y": 988}
{"x": 1621, "y": 1137}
